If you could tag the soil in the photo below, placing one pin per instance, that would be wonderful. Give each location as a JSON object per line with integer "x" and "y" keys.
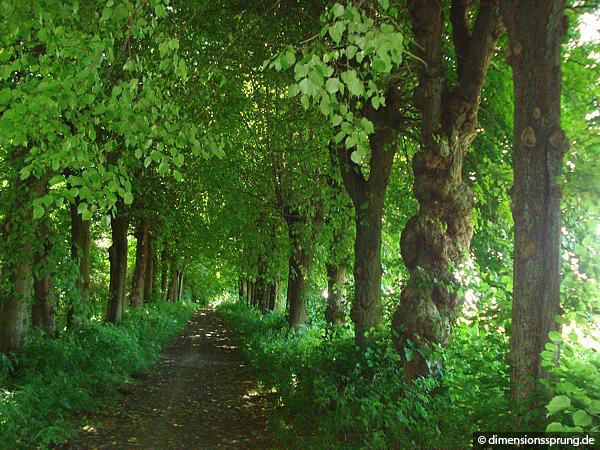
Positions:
{"x": 200, "y": 395}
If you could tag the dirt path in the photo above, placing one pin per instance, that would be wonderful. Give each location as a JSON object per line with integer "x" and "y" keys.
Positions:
{"x": 199, "y": 395}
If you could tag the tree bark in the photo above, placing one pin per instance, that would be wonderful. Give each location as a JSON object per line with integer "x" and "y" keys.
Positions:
{"x": 180, "y": 287}
{"x": 173, "y": 281}
{"x": 118, "y": 266}
{"x": 336, "y": 277}
{"x": 438, "y": 237}
{"x": 80, "y": 254}
{"x": 150, "y": 278}
{"x": 42, "y": 309}
{"x": 299, "y": 263}
{"x": 368, "y": 196}
{"x": 17, "y": 234}
{"x": 535, "y": 29}
{"x": 164, "y": 273}
{"x": 141, "y": 261}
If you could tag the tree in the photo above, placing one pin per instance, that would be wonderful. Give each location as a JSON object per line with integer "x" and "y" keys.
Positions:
{"x": 535, "y": 30}
{"x": 436, "y": 239}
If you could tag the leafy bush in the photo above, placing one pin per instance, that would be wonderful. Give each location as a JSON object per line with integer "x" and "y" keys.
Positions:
{"x": 333, "y": 395}
{"x": 573, "y": 381}
{"x": 42, "y": 387}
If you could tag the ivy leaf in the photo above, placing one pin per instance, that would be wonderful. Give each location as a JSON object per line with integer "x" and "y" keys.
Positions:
{"x": 555, "y": 336}
{"x": 336, "y": 120}
{"x": 332, "y": 85}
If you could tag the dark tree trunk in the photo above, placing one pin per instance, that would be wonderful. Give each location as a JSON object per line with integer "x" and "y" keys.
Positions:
{"x": 173, "y": 281}
{"x": 80, "y": 253}
{"x": 118, "y": 266}
{"x": 141, "y": 261}
{"x": 164, "y": 273}
{"x": 535, "y": 29}
{"x": 272, "y": 291}
{"x": 150, "y": 278}
{"x": 336, "y": 277}
{"x": 299, "y": 269}
{"x": 439, "y": 235}
{"x": 368, "y": 196}
{"x": 42, "y": 309}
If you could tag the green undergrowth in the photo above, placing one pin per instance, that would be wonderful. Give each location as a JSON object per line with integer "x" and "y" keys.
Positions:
{"x": 331, "y": 395}
{"x": 53, "y": 379}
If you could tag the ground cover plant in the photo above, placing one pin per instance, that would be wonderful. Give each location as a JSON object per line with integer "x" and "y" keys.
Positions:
{"x": 43, "y": 387}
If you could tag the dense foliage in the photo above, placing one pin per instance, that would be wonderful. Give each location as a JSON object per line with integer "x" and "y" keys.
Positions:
{"x": 357, "y": 175}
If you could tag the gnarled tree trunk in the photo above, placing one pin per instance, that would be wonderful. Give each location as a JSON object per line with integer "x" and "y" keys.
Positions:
{"x": 336, "y": 277}
{"x": 438, "y": 236}
{"x": 118, "y": 266}
{"x": 535, "y": 29}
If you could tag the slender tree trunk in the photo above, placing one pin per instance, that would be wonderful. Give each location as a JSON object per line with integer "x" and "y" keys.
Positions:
{"x": 150, "y": 278}
{"x": 535, "y": 29}
{"x": 336, "y": 277}
{"x": 164, "y": 273}
{"x": 173, "y": 279}
{"x": 438, "y": 236}
{"x": 141, "y": 260}
{"x": 118, "y": 267}
{"x": 80, "y": 253}
{"x": 272, "y": 290}
{"x": 42, "y": 309}
{"x": 180, "y": 287}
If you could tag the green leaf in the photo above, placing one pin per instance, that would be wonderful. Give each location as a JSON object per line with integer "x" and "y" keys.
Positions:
{"x": 138, "y": 153}
{"x": 336, "y": 31}
{"x": 560, "y": 320}
{"x": 555, "y": 336}
{"x": 332, "y": 85}
{"x": 163, "y": 168}
{"x": 38, "y": 211}
{"x": 177, "y": 175}
{"x": 355, "y": 85}
{"x": 336, "y": 120}
{"x": 128, "y": 198}
{"x": 594, "y": 407}
{"x": 581, "y": 418}
{"x": 367, "y": 125}
{"x": 555, "y": 427}
{"x": 558, "y": 403}
{"x": 338, "y": 10}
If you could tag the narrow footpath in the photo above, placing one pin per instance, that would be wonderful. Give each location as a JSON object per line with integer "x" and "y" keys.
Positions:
{"x": 199, "y": 395}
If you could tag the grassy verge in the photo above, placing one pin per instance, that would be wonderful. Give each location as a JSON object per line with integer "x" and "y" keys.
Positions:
{"x": 42, "y": 387}
{"x": 331, "y": 395}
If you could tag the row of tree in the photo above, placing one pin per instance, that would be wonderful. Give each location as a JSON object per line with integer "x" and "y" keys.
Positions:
{"x": 249, "y": 144}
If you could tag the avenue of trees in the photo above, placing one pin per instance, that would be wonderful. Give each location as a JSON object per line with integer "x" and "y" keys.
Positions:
{"x": 380, "y": 169}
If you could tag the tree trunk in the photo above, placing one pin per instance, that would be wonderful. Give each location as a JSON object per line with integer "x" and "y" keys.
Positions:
{"x": 118, "y": 266}
{"x": 42, "y": 309}
{"x": 80, "y": 253}
{"x": 174, "y": 278}
{"x": 272, "y": 291}
{"x": 150, "y": 278}
{"x": 13, "y": 309}
{"x": 17, "y": 243}
{"x": 368, "y": 196}
{"x": 180, "y": 287}
{"x": 141, "y": 260}
{"x": 336, "y": 277}
{"x": 299, "y": 269}
{"x": 535, "y": 29}
{"x": 164, "y": 274}
{"x": 437, "y": 238}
